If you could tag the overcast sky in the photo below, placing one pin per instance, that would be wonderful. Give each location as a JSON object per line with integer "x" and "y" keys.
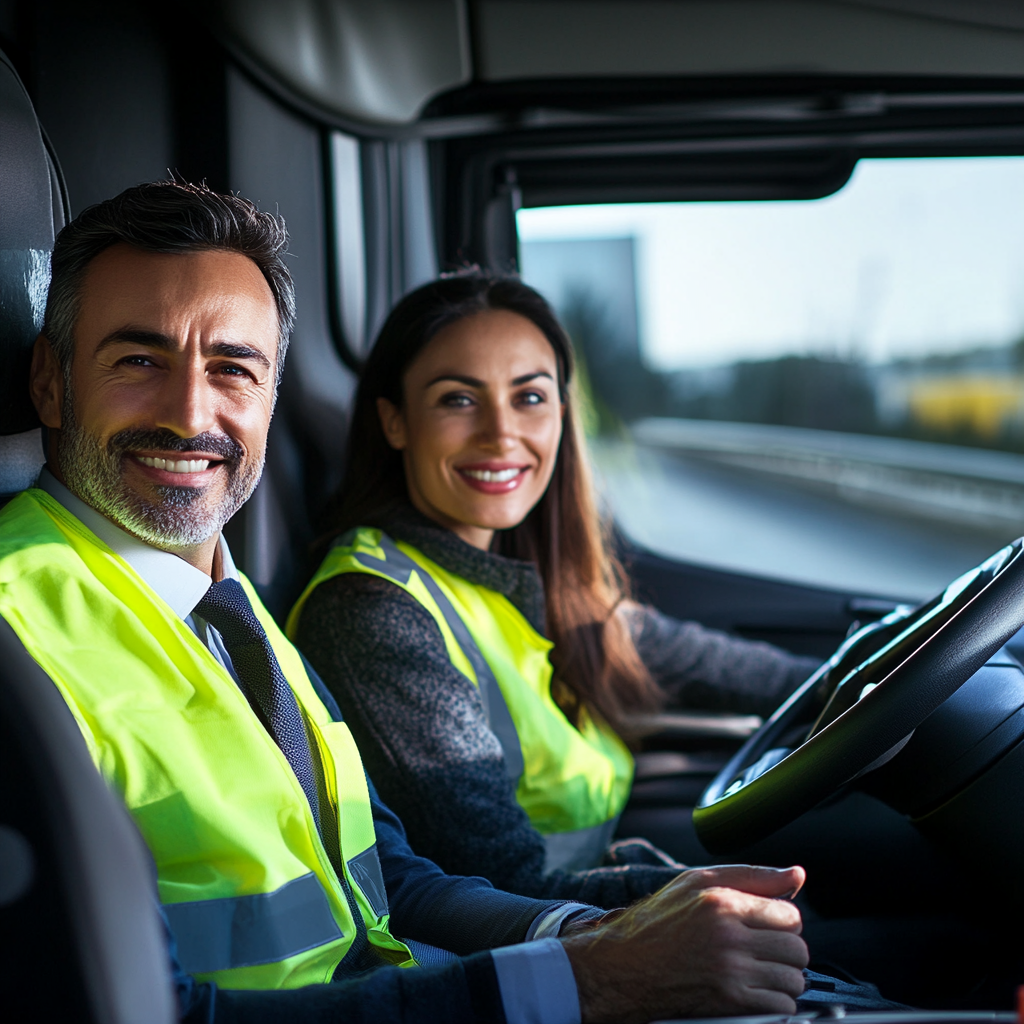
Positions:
{"x": 912, "y": 256}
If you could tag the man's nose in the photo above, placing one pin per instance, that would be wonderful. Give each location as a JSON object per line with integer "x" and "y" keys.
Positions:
{"x": 185, "y": 404}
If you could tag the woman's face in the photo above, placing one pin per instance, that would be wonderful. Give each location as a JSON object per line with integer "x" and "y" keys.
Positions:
{"x": 480, "y": 425}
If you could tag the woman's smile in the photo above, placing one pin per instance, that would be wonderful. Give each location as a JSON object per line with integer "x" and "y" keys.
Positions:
{"x": 493, "y": 477}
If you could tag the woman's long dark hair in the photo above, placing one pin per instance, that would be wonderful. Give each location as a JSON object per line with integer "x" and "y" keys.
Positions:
{"x": 596, "y": 663}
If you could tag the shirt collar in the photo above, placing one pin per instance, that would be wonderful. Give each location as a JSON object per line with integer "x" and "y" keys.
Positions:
{"x": 179, "y": 584}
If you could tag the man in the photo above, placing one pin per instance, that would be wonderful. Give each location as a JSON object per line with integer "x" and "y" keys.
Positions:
{"x": 166, "y": 326}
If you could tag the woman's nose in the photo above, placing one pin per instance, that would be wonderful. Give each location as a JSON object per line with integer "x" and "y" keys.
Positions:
{"x": 497, "y": 428}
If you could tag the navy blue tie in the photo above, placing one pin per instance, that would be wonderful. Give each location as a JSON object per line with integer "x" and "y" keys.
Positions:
{"x": 228, "y": 610}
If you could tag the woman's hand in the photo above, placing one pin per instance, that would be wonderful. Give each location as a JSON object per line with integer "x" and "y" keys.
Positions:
{"x": 715, "y": 941}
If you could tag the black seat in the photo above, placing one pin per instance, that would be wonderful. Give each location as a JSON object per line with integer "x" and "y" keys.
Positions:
{"x": 80, "y": 937}
{"x": 32, "y": 211}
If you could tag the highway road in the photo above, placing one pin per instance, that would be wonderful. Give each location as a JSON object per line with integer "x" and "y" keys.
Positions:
{"x": 744, "y": 521}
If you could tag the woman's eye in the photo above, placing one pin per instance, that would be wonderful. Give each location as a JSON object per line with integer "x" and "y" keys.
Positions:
{"x": 532, "y": 398}
{"x": 457, "y": 401}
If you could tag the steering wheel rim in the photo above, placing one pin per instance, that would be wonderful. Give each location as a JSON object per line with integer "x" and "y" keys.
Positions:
{"x": 763, "y": 788}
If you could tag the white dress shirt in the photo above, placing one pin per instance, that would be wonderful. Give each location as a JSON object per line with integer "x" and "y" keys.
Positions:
{"x": 535, "y": 978}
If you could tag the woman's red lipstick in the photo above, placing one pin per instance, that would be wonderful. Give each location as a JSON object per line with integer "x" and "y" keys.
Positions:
{"x": 492, "y": 477}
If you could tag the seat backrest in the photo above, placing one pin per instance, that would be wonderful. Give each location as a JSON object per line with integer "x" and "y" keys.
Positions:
{"x": 80, "y": 934}
{"x": 32, "y": 211}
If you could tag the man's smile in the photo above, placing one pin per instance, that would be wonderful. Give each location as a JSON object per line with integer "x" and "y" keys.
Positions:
{"x": 175, "y": 466}
{"x": 178, "y": 469}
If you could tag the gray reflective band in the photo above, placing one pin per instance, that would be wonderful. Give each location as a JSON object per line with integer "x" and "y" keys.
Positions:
{"x": 365, "y": 869}
{"x": 579, "y": 850}
{"x": 399, "y": 567}
{"x": 242, "y": 931}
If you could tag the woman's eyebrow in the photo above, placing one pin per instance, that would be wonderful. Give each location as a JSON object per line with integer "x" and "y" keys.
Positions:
{"x": 527, "y": 377}
{"x": 458, "y": 378}
{"x": 474, "y": 382}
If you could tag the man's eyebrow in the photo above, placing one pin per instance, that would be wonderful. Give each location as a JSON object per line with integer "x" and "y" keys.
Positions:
{"x": 136, "y": 336}
{"x": 232, "y": 350}
{"x": 474, "y": 383}
{"x": 154, "y": 339}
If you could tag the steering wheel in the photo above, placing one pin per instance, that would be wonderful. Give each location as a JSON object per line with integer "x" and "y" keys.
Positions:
{"x": 876, "y": 689}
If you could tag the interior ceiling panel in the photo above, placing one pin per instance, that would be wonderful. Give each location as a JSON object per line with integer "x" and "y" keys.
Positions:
{"x": 522, "y": 39}
{"x": 380, "y": 62}
{"x": 372, "y": 61}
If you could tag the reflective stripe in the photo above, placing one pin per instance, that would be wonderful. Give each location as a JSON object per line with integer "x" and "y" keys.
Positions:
{"x": 579, "y": 850}
{"x": 399, "y": 566}
{"x": 365, "y": 869}
{"x": 215, "y": 935}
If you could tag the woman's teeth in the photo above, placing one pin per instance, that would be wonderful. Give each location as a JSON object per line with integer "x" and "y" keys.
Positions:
{"x": 497, "y": 476}
{"x": 175, "y": 466}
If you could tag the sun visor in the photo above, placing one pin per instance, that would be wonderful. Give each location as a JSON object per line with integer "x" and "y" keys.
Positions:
{"x": 371, "y": 61}
{"x": 540, "y": 39}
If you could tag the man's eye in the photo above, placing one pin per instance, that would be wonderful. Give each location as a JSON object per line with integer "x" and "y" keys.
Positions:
{"x": 137, "y": 361}
{"x": 237, "y": 373}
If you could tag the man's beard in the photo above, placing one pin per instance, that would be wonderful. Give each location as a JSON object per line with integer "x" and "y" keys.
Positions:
{"x": 183, "y": 517}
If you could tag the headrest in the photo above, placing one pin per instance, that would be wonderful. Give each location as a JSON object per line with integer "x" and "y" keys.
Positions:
{"x": 31, "y": 213}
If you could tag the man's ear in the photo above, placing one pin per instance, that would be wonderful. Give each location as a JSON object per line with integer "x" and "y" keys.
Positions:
{"x": 392, "y": 422}
{"x": 46, "y": 383}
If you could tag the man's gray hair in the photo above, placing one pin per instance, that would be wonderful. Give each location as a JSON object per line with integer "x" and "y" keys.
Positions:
{"x": 166, "y": 217}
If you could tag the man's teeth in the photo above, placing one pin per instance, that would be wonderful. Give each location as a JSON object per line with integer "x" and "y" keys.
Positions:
{"x": 497, "y": 476}
{"x": 175, "y": 466}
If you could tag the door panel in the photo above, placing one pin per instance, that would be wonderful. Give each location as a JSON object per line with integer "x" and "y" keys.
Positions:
{"x": 801, "y": 619}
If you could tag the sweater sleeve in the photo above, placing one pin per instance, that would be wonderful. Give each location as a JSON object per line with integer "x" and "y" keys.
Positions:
{"x": 422, "y": 732}
{"x": 706, "y": 669}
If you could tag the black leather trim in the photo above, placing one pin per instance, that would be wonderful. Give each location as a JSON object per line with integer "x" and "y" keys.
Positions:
{"x": 32, "y": 208}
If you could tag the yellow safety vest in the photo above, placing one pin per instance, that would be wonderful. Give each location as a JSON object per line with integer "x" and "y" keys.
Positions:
{"x": 245, "y": 880}
{"x": 572, "y": 783}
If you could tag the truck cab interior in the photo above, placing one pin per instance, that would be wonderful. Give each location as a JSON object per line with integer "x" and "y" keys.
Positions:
{"x": 405, "y": 138}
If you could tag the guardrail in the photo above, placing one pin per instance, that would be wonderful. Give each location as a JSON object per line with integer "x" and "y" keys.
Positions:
{"x": 969, "y": 486}
{"x": 706, "y": 724}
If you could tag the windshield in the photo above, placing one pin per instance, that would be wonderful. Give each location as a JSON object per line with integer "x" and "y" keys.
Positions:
{"x": 830, "y": 391}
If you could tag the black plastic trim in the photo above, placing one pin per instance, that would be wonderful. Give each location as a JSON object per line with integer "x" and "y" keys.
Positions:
{"x": 334, "y": 317}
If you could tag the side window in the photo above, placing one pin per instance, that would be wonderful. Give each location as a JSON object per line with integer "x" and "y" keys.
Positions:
{"x": 349, "y": 242}
{"x": 829, "y": 391}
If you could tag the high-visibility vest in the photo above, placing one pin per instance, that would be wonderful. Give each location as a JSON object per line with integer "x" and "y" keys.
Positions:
{"x": 244, "y": 877}
{"x": 572, "y": 783}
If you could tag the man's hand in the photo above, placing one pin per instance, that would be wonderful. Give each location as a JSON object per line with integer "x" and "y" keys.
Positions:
{"x": 714, "y": 941}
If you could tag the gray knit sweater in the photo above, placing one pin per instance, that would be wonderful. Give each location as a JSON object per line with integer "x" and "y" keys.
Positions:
{"x": 423, "y": 735}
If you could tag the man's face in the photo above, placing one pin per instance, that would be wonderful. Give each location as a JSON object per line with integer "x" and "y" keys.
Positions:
{"x": 164, "y": 426}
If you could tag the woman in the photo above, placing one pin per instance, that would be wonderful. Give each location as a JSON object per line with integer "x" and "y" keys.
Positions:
{"x": 472, "y": 621}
